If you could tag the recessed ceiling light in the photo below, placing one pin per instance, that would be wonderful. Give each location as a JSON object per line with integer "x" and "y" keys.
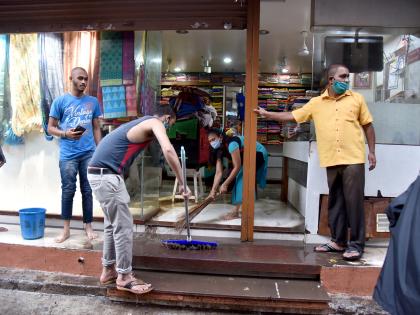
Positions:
{"x": 177, "y": 69}
{"x": 227, "y": 60}
{"x": 182, "y": 31}
{"x": 264, "y": 32}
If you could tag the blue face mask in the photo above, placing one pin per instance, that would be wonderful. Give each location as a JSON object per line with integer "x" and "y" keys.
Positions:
{"x": 215, "y": 144}
{"x": 166, "y": 124}
{"x": 340, "y": 87}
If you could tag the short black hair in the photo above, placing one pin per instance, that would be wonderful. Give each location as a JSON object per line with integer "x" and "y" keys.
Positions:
{"x": 162, "y": 110}
{"x": 77, "y": 68}
{"x": 332, "y": 69}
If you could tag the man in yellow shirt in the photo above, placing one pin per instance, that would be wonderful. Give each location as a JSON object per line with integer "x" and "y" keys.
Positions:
{"x": 340, "y": 115}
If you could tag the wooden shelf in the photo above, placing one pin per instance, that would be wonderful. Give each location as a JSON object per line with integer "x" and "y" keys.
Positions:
{"x": 282, "y": 85}
{"x": 186, "y": 84}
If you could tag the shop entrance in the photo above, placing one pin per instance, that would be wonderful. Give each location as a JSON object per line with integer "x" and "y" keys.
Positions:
{"x": 214, "y": 62}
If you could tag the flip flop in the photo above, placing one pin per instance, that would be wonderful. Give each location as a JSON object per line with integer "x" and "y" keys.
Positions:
{"x": 328, "y": 249}
{"x": 355, "y": 257}
{"x": 129, "y": 287}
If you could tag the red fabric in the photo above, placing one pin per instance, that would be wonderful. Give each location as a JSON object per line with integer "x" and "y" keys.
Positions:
{"x": 204, "y": 146}
{"x": 128, "y": 58}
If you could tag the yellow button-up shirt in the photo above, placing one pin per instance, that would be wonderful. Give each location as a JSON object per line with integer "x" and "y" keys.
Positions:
{"x": 338, "y": 129}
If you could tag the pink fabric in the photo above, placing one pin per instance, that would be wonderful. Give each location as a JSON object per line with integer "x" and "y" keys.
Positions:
{"x": 130, "y": 100}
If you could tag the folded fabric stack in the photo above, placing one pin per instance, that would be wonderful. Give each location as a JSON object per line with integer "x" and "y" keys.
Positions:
{"x": 204, "y": 78}
{"x": 228, "y": 78}
{"x": 272, "y": 105}
{"x": 306, "y": 78}
{"x": 273, "y": 78}
{"x": 312, "y": 93}
{"x": 265, "y": 92}
{"x": 280, "y": 93}
{"x": 168, "y": 77}
{"x": 192, "y": 78}
{"x": 262, "y": 103}
{"x": 295, "y": 79}
{"x": 297, "y": 92}
{"x": 217, "y": 91}
{"x": 284, "y": 78}
{"x": 273, "y": 138}
{"x": 181, "y": 77}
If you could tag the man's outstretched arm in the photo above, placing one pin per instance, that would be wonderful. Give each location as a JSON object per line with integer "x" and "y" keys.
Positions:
{"x": 278, "y": 116}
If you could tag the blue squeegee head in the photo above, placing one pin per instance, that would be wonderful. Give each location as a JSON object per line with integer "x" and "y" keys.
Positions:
{"x": 191, "y": 245}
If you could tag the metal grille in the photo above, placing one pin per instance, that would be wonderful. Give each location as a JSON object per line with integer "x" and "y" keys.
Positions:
{"x": 382, "y": 223}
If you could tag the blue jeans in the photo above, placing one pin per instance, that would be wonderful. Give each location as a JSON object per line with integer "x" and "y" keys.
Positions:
{"x": 68, "y": 171}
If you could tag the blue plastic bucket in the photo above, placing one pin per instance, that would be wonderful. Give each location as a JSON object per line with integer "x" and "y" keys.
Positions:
{"x": 32, "y": 223}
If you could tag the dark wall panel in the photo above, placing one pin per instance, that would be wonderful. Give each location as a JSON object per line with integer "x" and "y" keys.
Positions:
{"x": 21, "y": 16}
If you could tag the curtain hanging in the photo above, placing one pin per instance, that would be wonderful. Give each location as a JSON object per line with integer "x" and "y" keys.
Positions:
{"x": 81, "y": 50}
{"x": 5, "y": 109}
{"x": 24, "y": 83}
{"x": 50, "y": 47}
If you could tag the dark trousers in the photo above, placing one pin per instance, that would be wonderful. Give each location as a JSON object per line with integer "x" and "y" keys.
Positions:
{"x": 345, "y": 204}
{"x": 69, "y": 170}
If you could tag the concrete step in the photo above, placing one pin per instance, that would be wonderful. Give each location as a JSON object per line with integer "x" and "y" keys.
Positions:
{"x": 275, "y": 259}
{"x": 247, "y": 294}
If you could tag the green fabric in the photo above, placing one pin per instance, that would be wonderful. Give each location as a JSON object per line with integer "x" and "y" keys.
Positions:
{"x": 111, "y": 58}
{"x": 187, "y": 128}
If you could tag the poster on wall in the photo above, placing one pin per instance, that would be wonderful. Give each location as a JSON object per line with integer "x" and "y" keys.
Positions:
{"x": 362, "y": 80}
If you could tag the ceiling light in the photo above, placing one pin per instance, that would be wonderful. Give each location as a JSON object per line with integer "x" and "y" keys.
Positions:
{"x": 182, "y": 31}
{"x": 264, "y": 32}
{"x": 207, "y": 68}
{"x": 304, "y": 51}
{"x": 227, "y": 60}
{"x": 284, "y": 70}
{"x": 177, "y": 69}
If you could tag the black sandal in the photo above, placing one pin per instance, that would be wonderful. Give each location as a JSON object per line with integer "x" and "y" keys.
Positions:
{"x": 328, "y": 249}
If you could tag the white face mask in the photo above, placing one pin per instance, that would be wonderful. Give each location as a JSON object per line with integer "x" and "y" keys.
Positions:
{"x": 215, "y": 144}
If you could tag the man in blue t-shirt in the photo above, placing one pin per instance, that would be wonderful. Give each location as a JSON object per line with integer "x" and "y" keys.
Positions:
{"x": 71, "y": 110}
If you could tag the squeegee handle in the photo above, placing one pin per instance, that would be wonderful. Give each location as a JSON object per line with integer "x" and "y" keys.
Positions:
{"x": 184, "y": 175}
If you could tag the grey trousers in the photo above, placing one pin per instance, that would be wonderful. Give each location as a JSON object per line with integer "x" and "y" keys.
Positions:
{"x": 112, "y": 194}
{"x": 345, "y": 204}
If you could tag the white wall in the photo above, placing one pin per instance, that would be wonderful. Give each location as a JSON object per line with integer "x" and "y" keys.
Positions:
{"x": 31, "y": 177}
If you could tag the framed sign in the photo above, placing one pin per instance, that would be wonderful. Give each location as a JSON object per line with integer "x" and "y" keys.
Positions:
{"x": 362, "y": 80}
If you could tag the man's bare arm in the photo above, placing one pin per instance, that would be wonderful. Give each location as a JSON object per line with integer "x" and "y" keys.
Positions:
{"x": 371, "y": 139}
{"x": 168, "y": 150}
{"x": 97, "y": 134}
{"x": 280, "y": 117}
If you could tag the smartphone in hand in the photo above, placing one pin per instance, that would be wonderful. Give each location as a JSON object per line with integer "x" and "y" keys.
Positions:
{"x": 79, "y": 129}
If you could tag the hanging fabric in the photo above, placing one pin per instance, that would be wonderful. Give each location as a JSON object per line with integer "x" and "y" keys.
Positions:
{"x": 5, "y": 109}
{"x": 24, "y": 83}
{"x": 111, "y": 71}
{"x": 128, "y": 58}
{"x": 81, "y": 50}
{"x": 50, "y": 47}
{"x": 131, "y": 100}
{"x": 113, "y": 98}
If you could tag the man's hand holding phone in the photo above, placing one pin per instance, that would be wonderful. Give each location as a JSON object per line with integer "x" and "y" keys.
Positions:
{"x": 75, "y": 133}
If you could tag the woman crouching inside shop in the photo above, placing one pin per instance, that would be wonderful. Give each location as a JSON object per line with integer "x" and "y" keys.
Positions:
{"x": 231, "y": 147}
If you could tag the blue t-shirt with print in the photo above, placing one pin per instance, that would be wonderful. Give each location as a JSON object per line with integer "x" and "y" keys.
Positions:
{"x": 71, "y": 111}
